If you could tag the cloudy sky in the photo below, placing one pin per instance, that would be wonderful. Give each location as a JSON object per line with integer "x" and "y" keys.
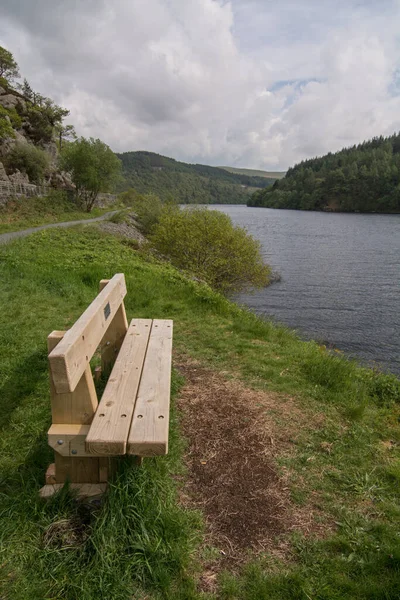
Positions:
{"x": 252, "y": 83}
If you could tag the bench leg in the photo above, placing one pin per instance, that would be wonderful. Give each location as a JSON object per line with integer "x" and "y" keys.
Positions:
{"x": 77, "y": 470}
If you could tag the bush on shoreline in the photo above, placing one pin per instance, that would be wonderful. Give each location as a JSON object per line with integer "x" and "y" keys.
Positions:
{"x": 207, "y": 244}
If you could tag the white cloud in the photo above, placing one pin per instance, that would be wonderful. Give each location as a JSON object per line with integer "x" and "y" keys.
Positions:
{"x": 197, "y": 79}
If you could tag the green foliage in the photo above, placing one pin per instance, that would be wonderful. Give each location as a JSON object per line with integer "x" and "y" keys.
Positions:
{"x": 43, "y": 116}
{"x": 207, "y": 244}
{"x": 148, "y": 209}
{"x": 93, "y": 166}
{"x": 8, "y": 65}
{"x": 383, "y": 388}
{"x": 128, "y": 197}
{"x": 363, "y": 178}
{"x": 30, "y": 160}
{"x": 185, "y": 183}
{"x": 9, "y": 120}
{"x": 6, "y": 128}
{"x": 65, "y": 133}
{"x": 26, "y": 90}
{"x": 15, "y": 118}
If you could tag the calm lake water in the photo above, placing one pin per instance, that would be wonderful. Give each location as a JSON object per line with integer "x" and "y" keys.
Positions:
{"x": 340, "y": 278}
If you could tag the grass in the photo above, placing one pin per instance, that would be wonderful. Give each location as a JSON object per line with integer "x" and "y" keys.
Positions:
{"x": 141, "y": 543}
{"x": 22, "y": 213}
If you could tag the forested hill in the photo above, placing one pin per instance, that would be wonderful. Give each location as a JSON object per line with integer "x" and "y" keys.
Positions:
{"x": 363, "y": 178}
{"x": 168, "y": 178}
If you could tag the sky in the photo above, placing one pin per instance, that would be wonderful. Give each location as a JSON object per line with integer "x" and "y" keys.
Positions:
{"x": 247, "y": 83}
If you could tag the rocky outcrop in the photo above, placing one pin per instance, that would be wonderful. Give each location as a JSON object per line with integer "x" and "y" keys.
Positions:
{"x": 18, "y": 177}
{"x": 7, "y": 144}
{"x": 3, "y": 174}
{"x": 11, "y": 101}
{"x": 61, "y": 180}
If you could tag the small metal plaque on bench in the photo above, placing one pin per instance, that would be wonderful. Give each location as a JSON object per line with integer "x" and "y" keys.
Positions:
{"x": 107, "y": 311}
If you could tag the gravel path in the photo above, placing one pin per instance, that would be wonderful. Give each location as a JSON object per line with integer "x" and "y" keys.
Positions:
{"x": 6, "y": 237}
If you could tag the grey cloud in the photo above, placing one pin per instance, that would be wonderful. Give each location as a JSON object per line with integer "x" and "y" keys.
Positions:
{"x": 214, "y": 81}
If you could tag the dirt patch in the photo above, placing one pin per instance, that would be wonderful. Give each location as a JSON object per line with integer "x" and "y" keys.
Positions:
{"x": 233, "y": 441}
{"x": 65, "y": 533}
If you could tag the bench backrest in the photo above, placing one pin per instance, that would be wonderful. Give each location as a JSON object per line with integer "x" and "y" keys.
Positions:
{"x": 71, "y": 356}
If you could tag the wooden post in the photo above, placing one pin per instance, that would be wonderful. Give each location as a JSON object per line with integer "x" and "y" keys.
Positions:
{"x": 114, "y": 336}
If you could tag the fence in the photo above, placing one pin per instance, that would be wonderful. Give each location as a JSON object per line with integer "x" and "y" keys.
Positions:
{"x": 16, "y": 190}
{"x": 12, "y": 190}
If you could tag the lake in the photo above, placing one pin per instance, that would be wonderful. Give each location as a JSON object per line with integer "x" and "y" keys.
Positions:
{"x": 340, "y": 278}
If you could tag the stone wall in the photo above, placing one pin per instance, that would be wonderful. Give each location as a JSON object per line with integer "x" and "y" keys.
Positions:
{"x": 9, "y": 189}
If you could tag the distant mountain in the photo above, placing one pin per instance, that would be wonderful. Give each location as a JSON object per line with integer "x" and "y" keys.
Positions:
{"x": 255, "y": 173}
{"x": 148, "y": 172}
{"x": 363, "y": 178}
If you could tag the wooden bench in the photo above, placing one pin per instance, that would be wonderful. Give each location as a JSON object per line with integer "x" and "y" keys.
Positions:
{"x": 132, "y": 416}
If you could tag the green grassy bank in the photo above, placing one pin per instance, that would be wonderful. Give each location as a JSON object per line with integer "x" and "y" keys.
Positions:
{"x": 22, "y": 213}
{"x": 141, "y": 543}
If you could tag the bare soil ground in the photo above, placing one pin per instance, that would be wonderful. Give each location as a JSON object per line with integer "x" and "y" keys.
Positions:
{"x": 233, "y": 477}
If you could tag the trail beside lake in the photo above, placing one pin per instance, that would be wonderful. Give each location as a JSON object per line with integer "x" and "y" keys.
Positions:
{"x": 7, "y": 237}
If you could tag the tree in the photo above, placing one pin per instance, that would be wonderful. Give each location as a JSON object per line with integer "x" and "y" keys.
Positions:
{"x": 93, "y": 167}
{"x": 43, "y": 116}
{"x": 26, "y": 90}
{"x": 65, "y": 133}
{"x": 8, "y": 66}
{"x": 206, "y": 243}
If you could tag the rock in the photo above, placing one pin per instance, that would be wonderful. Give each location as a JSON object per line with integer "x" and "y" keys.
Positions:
{"x": 7, "y": 144}
{"x": 2, "y": 91}
{"x": 3, "y": 174}
{"x": 20, "y": 138}
{"x": 61, "y": 180}
{"x": 51, "y": 148}
{"x": 11, "y": 101}
{"x": 18, "y": 177}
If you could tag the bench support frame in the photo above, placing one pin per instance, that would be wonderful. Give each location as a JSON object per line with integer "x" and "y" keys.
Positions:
{"x": 72, "y": 414}
{"x": 133, "y": 414}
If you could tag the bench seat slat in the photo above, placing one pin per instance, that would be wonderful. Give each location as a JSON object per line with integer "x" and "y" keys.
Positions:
{"x": 148, "y": 435}
{"x": 110, "y": 427}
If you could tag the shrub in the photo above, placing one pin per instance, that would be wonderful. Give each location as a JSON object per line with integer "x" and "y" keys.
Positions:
{"x": 119, "y": 217}
{"x": 9, "y": 120}
{"x": 384, "y": 388}
{"x": 29, "y": 160}
{"x": 129, "y": 197}
{"x": 206, "y": 243}
{"x": 4, "y": 83}
{"x": 148, "y": 210}
{"x": 6, "y": 128}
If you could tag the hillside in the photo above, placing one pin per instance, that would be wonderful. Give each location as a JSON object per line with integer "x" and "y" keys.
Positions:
{"x": 148, "y": 172}
{"x": 256, "y": 173}
{"x": 363, "y": 178}
{"x": 31, "y": 132}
